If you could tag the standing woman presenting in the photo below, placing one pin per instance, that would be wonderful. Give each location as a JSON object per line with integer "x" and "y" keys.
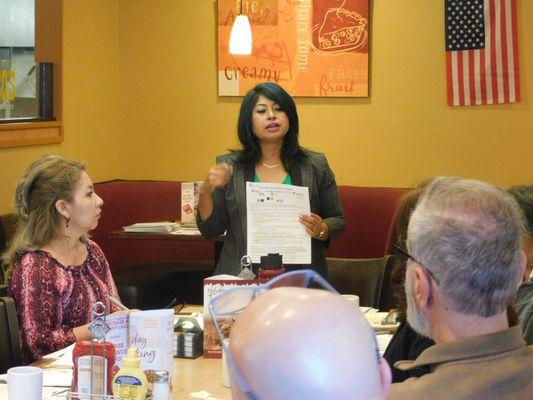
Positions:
{"x": 268, "y": 132}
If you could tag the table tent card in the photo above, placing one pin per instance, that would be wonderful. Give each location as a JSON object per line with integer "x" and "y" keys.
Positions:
{"x": 190, "y": 192}
{"x": 150, "y": 332}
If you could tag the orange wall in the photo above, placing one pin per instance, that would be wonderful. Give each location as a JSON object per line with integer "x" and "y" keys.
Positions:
{"x": 172, "y": 124}
{"x": 90, "y": 97}
{"x": 139, "y": 101}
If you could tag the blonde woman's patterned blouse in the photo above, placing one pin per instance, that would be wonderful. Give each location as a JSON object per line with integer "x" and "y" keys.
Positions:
{"x": 52, "y": 298}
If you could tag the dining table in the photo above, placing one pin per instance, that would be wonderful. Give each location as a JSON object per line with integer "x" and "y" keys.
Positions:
{"x": 198, "y": 378}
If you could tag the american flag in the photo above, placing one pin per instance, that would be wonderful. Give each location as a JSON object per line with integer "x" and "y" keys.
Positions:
{"x": 481, "y": 52}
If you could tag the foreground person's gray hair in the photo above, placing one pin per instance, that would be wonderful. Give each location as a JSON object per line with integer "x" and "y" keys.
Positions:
{"x": 468, "y": 233}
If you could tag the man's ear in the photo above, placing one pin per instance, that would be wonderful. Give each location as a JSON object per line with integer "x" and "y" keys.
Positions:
{"x": 385, "y": 376}
{"x": 422, "y": 288}
{"x": 63, "y": 208}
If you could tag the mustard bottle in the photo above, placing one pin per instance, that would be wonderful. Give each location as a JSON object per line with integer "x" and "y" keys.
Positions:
{"x": 130, "y": 382}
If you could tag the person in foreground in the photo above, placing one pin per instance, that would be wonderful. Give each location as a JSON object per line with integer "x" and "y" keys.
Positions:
{"x": 268, "y": 132}
{"x": 524, "y": 297}
{"x": 55, "y": 273}
{"x": 297, "y": 343}
{"x": 465, "y": 262}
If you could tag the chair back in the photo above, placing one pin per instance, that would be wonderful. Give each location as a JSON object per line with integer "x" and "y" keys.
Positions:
{"x": 363, "y": 277}
{"x": 7, "y": 230}
{"x": 10, "y": 355}
{"x": 386, "y": 298}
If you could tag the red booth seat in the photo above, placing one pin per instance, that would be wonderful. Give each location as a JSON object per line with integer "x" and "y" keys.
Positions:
{"x": 128, "y": 202}
{"x": 368, "y": 213}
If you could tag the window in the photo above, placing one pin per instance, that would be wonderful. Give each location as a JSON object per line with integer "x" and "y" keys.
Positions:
{"x": 30, "y": 62}
{"x": 18, "y": 84}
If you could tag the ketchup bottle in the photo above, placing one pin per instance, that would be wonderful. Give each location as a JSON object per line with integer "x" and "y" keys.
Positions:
{"x": 103, "y": 362}
{"x": 271, "y": 266}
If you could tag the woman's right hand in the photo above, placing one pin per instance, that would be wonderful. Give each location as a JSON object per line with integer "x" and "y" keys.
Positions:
{"x": 218, "y": 176}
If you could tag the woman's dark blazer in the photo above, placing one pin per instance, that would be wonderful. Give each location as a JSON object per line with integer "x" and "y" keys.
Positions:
{"x": 229, "y": 209}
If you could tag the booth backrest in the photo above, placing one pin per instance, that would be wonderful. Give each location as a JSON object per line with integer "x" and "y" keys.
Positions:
{"x": 128, "y": 202}
{"x": 368, "y": 212}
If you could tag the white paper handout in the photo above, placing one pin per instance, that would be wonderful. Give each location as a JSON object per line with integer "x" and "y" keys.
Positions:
{"x": 61, "y": 358}
{"x": 273, "y": 212}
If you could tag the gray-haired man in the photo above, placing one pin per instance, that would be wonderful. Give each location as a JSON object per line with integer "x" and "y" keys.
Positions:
{"x": 464, "y": 241}
{"x": 524, "y": 297}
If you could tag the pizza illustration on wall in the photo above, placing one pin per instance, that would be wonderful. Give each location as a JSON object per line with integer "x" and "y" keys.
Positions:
{"x": 312, "y": 48}
{"x": 341, "y": 30}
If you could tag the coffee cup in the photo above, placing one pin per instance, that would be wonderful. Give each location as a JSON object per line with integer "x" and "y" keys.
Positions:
{"x": 24, "y": 383}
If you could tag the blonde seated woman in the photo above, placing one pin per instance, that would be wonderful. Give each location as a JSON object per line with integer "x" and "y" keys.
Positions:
{"x": 55, "y": 273}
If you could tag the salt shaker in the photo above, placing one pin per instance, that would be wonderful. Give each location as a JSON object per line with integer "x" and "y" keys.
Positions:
{"x": 160, "y": 387}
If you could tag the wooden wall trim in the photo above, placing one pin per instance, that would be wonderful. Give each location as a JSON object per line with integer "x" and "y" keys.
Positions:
{"x": 30, "y": 133}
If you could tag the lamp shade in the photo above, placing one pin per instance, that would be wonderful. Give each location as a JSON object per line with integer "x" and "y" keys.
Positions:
{"x": 240, "y": 40}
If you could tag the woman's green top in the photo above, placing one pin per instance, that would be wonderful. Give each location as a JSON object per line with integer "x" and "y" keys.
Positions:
{"x": 286, "y": 181}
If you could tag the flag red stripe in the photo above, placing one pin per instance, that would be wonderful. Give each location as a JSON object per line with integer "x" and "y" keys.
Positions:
{"x": 488, "y": 66}
{"x": 449, "y": 76}
{"x": 472, "y": 77}
{"x": 505, "y": 63}
{"x": 460, "y": 78}
{"x": 483, "y": 79}
{"x": 515, "y": 50}
{"x": 493, "y": 52}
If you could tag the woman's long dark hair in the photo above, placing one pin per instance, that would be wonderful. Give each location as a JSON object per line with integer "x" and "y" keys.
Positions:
{"x": 404, "y": 209}
{"x": 291, "y": 151}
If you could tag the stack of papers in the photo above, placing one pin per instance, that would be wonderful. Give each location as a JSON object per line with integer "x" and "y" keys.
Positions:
{"x": 161, "y": 227}
{"x": 186, "y": 230}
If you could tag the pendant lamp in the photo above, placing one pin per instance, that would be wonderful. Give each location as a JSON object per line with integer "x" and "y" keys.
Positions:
{"x": 240, "y": 40}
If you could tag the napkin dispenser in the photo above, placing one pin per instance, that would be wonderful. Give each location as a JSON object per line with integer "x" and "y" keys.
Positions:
{"x": 188, "y": 338}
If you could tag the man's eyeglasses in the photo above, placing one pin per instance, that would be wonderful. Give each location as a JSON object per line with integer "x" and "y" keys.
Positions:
{"x": 401, "y": 248}
{"x": 230, "y": 303}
